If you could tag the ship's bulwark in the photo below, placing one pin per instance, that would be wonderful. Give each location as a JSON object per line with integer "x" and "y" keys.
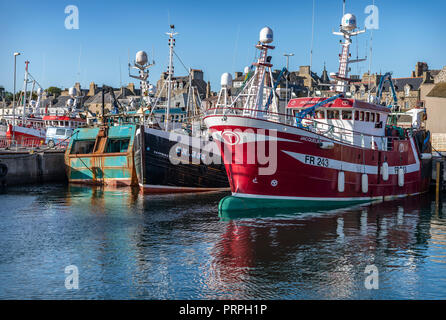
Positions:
{"x": 167, "y": 166}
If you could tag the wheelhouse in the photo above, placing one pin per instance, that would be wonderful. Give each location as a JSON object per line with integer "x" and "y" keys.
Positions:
{"x": 352, "y": 121}
{"x": 63, "y": 121}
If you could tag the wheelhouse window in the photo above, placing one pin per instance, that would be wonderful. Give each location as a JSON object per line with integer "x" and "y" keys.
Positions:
{"x": 367, "y": 116}
{"x": 320, "y": 114}
{"x": 377, "y": 117}
{"x": 372, "y": 117}
{"x": 332, "y": 114}
{"x": 347, "y": 115}
{"x": 356, "y": 115}
{"x": 82, "y": 146}
{"x": 361, "y": 116}
{"x": 117, "y": 145}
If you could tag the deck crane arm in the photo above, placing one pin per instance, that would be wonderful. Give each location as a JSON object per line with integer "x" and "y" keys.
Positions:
{"x": 117, "y": 107}
{"x": 282, "y": 73}
{"x": 302, "y": 114}
{"x": 379, "y": 93}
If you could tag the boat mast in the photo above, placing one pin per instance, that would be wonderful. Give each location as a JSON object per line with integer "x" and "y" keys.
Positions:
{"x": 171, "y": 35}
{"x": 347, "y": 30}
{"x": 258, "y": 80}
{"x": 25, "y": 85}
{"x": 142, "y": 64}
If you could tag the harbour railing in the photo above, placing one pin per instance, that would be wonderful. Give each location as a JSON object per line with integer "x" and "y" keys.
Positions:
{"x": 20, "y": 143}
{"x": 322, "y": 129}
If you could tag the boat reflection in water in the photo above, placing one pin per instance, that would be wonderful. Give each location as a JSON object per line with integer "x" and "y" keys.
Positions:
{"x": 324, "y": 254}
{"x": 133, "y": 246}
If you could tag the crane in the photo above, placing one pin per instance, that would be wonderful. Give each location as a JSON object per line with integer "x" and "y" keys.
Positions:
{"x": 282, "y": 73}
{"x": 302, "y": 114}
{"x": 386, "y": 78}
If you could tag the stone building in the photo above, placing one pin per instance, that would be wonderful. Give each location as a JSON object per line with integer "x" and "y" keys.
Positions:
{"x": 181, "y": 84}
{"x": 435, "y": 103}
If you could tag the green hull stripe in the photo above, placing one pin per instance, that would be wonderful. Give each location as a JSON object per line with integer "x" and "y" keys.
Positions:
{"x": 236, "y": 207}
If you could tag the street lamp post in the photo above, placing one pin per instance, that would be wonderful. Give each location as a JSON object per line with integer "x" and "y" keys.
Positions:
{"x": 13, "y": 97}
{"x": 287, "y": 55}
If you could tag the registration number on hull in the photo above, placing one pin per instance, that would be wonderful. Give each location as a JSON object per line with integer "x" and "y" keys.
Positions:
{"x": 317, "y": 161}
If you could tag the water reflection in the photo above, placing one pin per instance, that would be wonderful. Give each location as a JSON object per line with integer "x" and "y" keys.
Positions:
{"x": 324, "y": 255}
{"x": 133, "y": 246}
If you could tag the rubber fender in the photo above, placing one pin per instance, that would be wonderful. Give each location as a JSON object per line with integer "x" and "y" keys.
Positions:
{"x": 3, "y": 170}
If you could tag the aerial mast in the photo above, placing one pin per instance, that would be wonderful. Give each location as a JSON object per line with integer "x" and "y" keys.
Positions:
{"x": 347, "y": 30}
{"x": 25, "y": 85}
{"x": 171, "y": 35}
{"x": 142, "y": 65}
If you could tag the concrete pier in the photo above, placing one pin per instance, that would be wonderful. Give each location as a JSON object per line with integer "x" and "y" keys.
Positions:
{"x": 25, "y": 167}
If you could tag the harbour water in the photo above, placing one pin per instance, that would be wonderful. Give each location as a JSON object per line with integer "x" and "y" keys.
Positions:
{"x": 132, "y": 246}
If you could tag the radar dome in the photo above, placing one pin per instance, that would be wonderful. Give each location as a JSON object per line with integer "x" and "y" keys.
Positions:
{"x": 246, "y": 70}
{"x": 70, "y": 102}
{"x": 72, "y": 91}
{"x": 141, "y": 58}
{"x": 266, "y": 35}
{"x": 152, "y": 89}
{"x": 348, "y": 22}
{"x": 226, "y": 80}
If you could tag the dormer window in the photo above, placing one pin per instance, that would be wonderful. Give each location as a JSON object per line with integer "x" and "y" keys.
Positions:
{"x": 407, "y": 90}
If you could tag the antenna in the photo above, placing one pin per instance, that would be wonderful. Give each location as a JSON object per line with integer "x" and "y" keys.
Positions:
{"x": 171, "y": 35}
{"x": 311, "y": 50}
{"x": 371, "y": 56}
{"x": 79, "y": 64}
{"x": 343, "y": 7}
{"x": 236, "y": 47}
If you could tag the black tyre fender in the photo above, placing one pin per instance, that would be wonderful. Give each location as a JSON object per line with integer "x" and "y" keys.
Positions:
{"x": 51, "y": 144}
{"x": 3, "y": 170}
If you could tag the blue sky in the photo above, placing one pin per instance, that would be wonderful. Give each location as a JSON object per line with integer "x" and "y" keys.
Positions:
{"x": 215, "y": 36}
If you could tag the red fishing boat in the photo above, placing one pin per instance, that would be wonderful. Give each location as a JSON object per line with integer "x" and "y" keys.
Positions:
{"x": 323, "y": 152}
{"x": 28, "y": 131}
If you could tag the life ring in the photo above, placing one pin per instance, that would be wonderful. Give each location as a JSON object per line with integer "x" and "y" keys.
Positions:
{"x": 3, "y": 170}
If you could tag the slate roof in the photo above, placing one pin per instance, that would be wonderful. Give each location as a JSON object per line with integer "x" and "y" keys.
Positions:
{"x": 400, "y": 83}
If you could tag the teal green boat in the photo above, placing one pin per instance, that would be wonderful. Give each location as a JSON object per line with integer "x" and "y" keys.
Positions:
{"x": 102, "y": 156}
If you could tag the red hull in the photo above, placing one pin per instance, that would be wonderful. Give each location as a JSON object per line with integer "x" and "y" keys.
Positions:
{"x": 26, "y": 136}
{"x": 305, "y": 171}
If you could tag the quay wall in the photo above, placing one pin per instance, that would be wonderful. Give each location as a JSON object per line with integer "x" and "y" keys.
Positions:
{"x": 39, "y": 167}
